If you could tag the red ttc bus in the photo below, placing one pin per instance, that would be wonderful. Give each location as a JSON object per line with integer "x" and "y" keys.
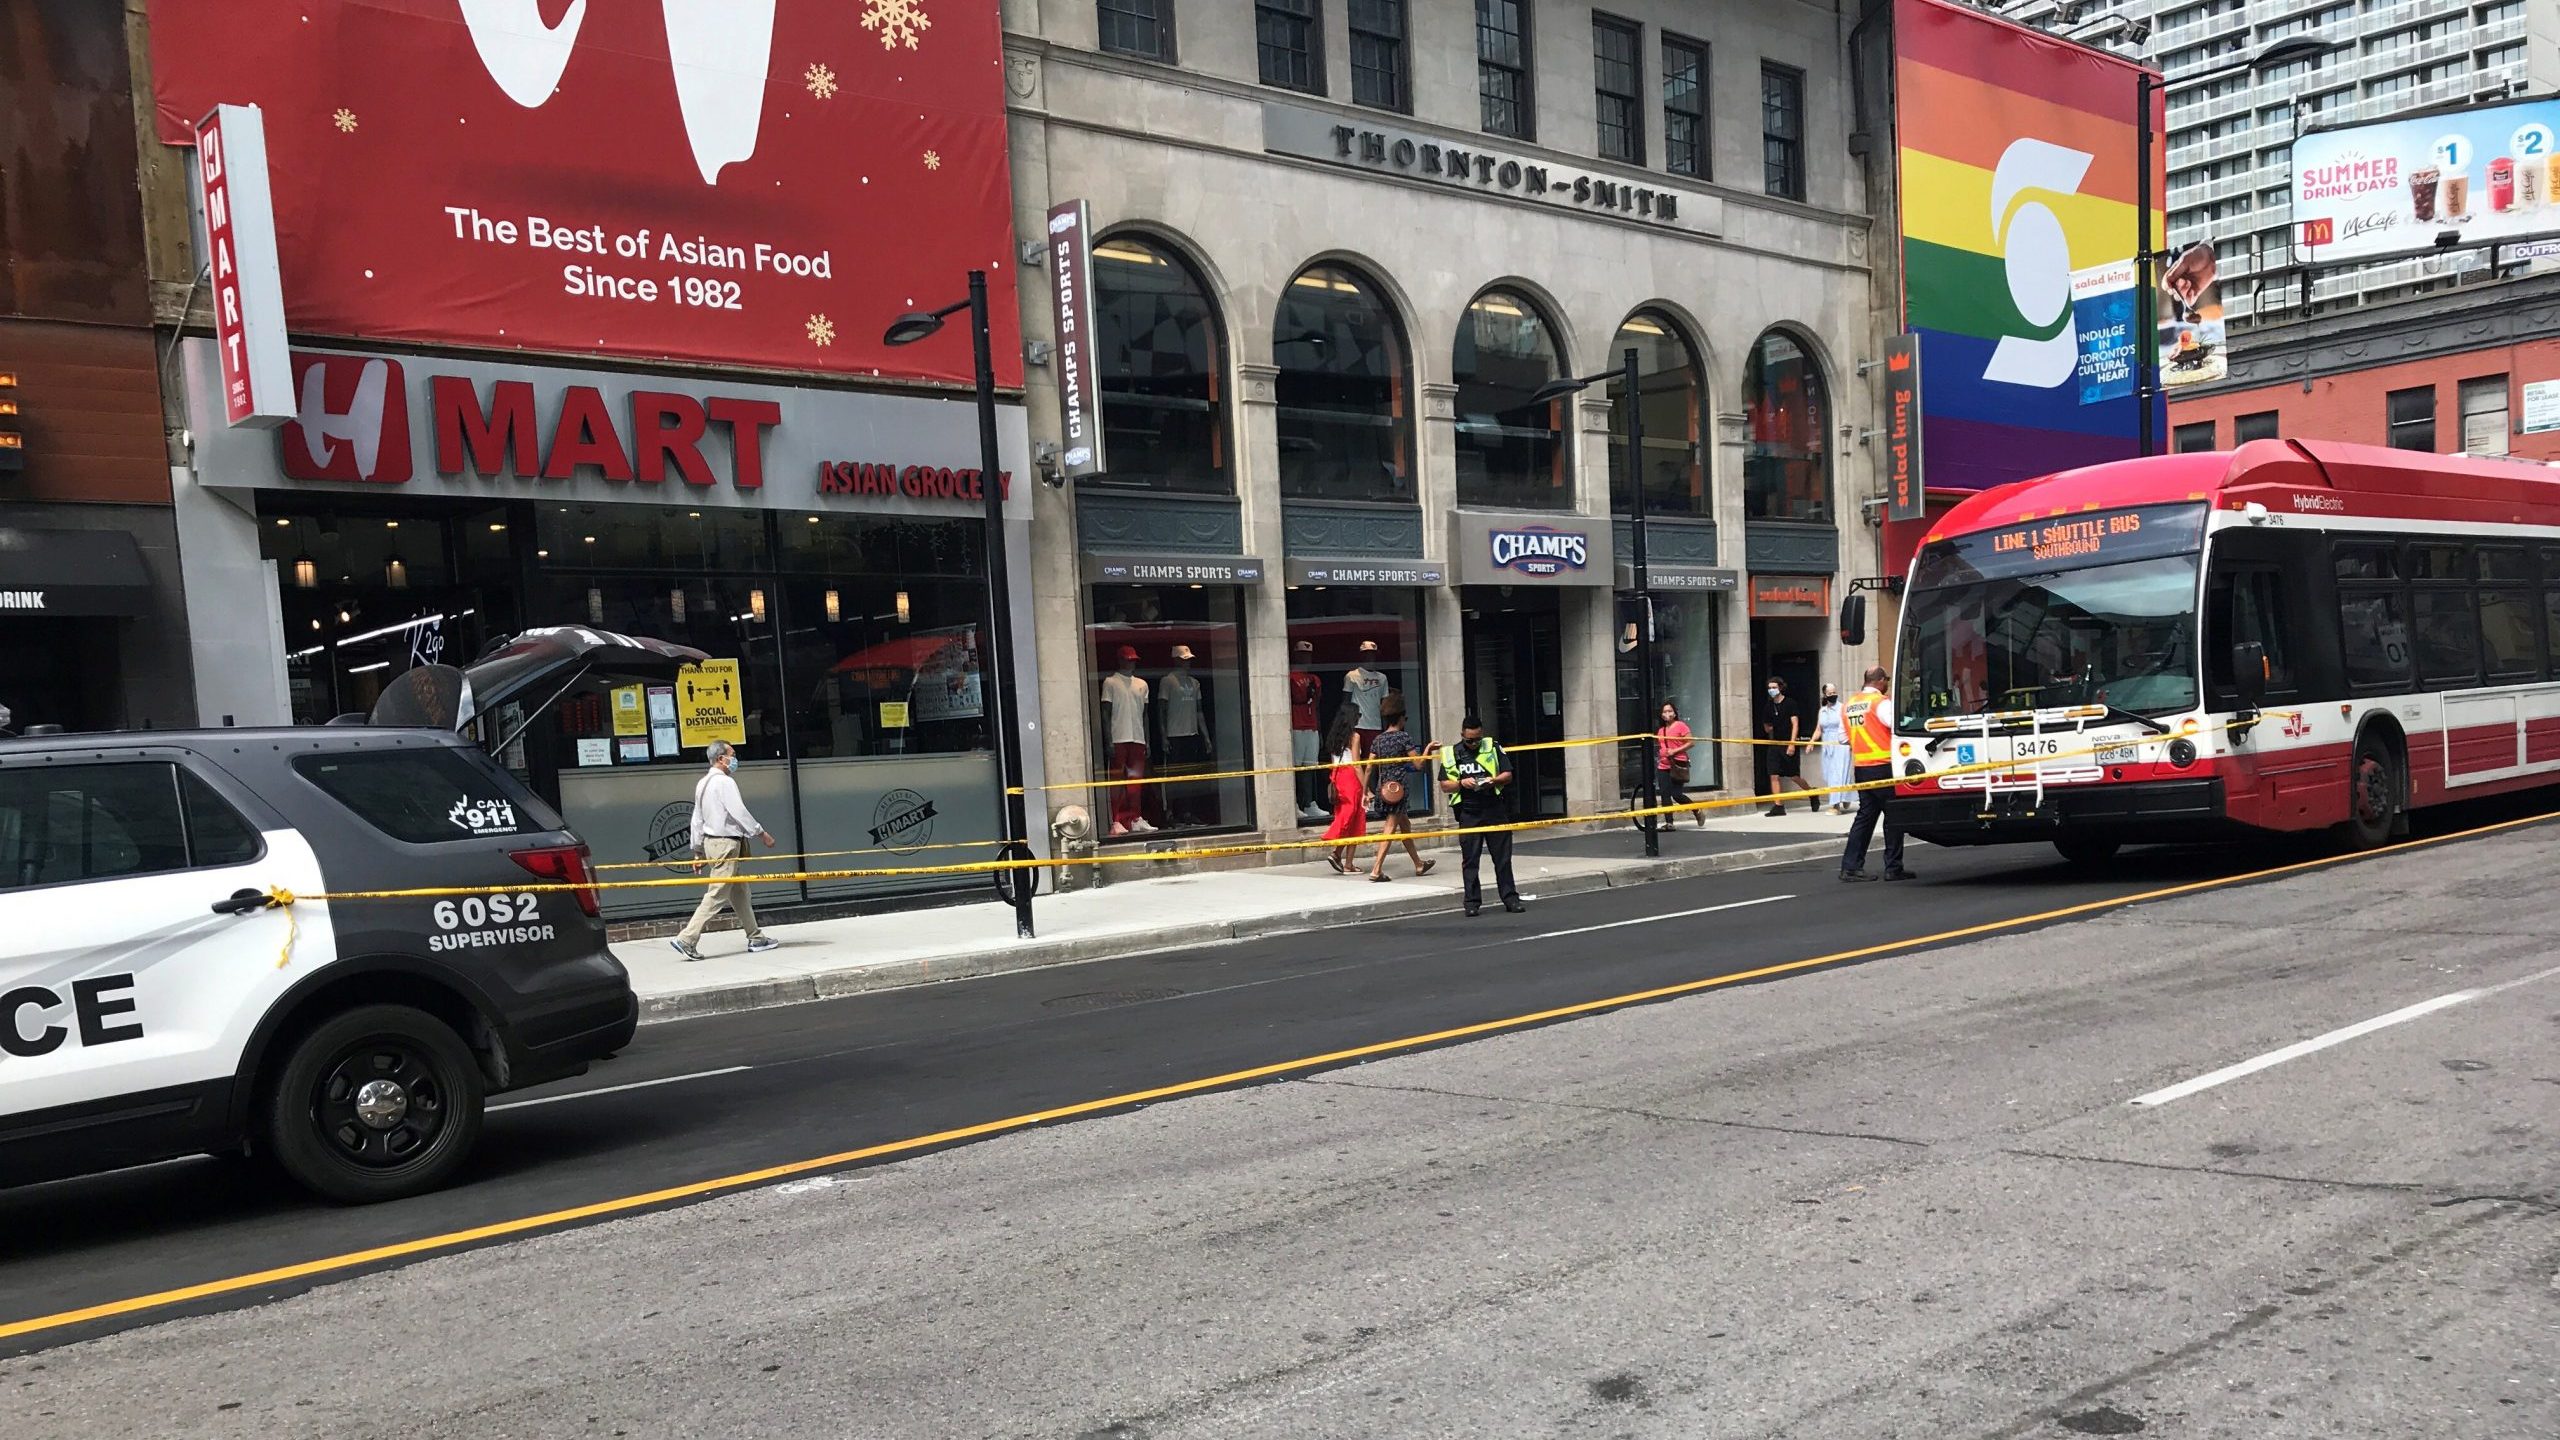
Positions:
{"x": 2294, "y": 635}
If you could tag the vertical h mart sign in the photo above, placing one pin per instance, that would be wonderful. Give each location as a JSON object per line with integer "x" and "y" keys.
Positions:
{"x": 1079, "y": 387}
{"x": 240, "y": 262}
{"x": 1903, "y": 485}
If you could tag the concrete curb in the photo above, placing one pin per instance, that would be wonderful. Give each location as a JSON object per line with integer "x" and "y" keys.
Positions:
{"x": 863, "y": 979}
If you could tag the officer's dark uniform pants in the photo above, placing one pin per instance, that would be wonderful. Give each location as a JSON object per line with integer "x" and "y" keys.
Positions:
{"x": 1496, "y": 844}
{"x": 1863, "y": 829}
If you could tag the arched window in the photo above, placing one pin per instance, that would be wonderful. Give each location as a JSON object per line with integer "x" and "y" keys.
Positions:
{"x": 1675, "y": 482}
{"x": 1786, "y": 413}
{"x": 1511, "y": 454}
{"x": 1161, "y": 363}
{"x": 1345, "y": 391}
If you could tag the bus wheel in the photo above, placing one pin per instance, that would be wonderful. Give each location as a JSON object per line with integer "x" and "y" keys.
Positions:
{"x": 2088, "y": 849}
{"x": 2373, "y": 794}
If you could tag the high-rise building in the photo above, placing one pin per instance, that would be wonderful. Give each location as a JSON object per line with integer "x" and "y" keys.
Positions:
{"x": 2231, "y": 136}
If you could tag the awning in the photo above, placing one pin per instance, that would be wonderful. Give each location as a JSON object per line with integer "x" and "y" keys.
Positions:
{"x": 71, "y": 572}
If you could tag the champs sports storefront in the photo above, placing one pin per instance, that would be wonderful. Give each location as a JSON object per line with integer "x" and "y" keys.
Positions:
{"x": 824, "y": 547}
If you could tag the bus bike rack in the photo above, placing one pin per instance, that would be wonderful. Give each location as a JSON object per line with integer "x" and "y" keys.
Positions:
{"x": 2017, "y": 775}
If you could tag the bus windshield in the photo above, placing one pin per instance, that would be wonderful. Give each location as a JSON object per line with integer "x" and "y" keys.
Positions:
{"x": 2120, "y": 634}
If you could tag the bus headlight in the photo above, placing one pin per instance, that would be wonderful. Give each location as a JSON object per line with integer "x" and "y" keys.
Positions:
{"x": 1913, "y": 769}
{"x": 2182, "y": 752}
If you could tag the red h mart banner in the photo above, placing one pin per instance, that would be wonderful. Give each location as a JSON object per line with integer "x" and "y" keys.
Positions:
{"x": 537, "y": 175}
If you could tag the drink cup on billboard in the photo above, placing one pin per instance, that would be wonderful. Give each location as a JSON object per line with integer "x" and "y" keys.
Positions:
{"x": 2529, "y": 183}
{"x": 2550, "y": 176}
{"x": 2422, "y": 191}
{"x": 2457, "y": 196}
{"x": 2502, "y": 184}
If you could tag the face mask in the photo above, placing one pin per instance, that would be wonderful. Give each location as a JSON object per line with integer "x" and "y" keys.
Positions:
{"x": 1773, "y": 692}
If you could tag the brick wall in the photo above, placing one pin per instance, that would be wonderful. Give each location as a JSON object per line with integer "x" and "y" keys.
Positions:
{"x": 2354, "y": 405}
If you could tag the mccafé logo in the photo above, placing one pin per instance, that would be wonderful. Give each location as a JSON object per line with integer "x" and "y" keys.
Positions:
{"x": 916, "y": 482}
{"x": 1538, "y": 550}
{"x": 353, "y": 425}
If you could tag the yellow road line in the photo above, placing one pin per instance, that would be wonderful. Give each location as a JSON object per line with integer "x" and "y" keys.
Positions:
{"x": 454, "y": 1239}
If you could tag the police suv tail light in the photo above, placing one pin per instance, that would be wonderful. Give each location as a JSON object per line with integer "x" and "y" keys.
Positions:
{"x": 562, "y": 865}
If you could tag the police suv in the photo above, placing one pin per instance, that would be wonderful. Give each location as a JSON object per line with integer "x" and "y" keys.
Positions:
{"x": 154, "y": 1003}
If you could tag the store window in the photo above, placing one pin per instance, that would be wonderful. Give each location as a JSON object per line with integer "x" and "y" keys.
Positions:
{"x": 1684, "y": 675}
{"x": 885, "y": 632}
{"x": 2260, "y": 425}
{"x": 1787, "y": 418}
{"x": 2188, "y": 439}
{"x": 1168, "y": 700}
{"x": 1358, "y": 644}
{"x": 1675, "y": 477}
{"x": 1344, "y": 391}
{"x": 1161, "y": 362}
{"x": 1511, "y": 453}
{"x": 369, "y": 591}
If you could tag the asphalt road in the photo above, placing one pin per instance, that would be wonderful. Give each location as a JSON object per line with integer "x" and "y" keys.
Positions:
{"x": 826, "y": 1078}
{"x": 770, "y": 1087}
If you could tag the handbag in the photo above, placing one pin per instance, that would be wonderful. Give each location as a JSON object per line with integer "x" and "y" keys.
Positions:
{"x": 1677, "y": 771}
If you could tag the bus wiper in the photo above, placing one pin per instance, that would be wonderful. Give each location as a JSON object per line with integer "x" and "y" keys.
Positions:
{"x": 2118, "y": 712}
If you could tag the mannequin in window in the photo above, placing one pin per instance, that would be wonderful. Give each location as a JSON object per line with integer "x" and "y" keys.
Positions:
{"x": 1365, "y": 686}
{"x": 1182, "y": 726}
{"x": 1306, "y": 691}
{"x": 1180, "y": 720}
{"x": 1124, "y": 724}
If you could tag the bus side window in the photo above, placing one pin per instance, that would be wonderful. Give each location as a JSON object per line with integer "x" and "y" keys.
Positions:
{"x": 2374, "y": 626}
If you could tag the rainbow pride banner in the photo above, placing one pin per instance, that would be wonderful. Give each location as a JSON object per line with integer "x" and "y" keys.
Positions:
{"x": 2017, "y": 156}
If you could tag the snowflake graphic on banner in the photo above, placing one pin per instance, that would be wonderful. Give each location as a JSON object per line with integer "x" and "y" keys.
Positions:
{"x": 933, "y": 160}
{"x": 821, "y": 81}
{"x": 345, "y": 120}
{"x": 822, "y": 331}
{"x": 896, "y": 20}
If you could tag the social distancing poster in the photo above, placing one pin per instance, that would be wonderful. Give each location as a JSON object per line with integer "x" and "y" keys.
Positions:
{"x": 710, "y": 704}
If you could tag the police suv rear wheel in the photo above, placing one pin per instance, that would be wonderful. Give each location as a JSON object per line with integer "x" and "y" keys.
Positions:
{"x": 380, "y": 1102}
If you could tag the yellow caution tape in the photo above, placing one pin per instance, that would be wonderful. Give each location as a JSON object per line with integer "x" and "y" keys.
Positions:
{"x": 286, "y": 899}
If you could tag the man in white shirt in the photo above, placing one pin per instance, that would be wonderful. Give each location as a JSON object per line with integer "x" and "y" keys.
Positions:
{"x": 721, "y": 825}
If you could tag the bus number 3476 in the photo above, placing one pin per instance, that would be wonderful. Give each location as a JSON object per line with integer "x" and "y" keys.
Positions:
{"x": 2041, "y": 745}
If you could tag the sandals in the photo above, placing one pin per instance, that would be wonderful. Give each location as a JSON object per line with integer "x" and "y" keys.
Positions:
{"x": 1380, "y": 878}
{"x": 1423, "y": 868}
{"x": 1333, "y": 858}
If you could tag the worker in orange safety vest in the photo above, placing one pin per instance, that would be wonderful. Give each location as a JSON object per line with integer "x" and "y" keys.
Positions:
{"x": 1868, "y": 718}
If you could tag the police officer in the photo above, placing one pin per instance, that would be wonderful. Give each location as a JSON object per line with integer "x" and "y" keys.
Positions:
{"x": 1869, "y": 721}
{"x": 1473, "y": 772}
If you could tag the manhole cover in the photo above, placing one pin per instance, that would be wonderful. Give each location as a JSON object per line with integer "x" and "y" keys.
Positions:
{"x": 1105, "y": 999}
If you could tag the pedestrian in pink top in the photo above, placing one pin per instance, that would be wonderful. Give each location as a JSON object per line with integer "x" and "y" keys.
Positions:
{"x": 1671, "y": 762}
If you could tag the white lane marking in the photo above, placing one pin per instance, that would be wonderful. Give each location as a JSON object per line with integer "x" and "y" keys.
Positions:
{"x": 2296, "y": 1051}
{"x": 1641, "y": 920}
{"x": 617, "y": 1089}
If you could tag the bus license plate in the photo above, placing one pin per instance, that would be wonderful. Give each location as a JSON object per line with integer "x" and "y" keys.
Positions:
{"x": 2118, "y": 754}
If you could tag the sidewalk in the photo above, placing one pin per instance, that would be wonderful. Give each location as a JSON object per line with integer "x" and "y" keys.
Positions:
{"x": 823, "y": 959}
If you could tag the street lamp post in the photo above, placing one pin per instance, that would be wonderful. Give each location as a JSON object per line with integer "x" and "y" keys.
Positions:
{"x": 1627, "y": 375}
{"x": 2146, "y": 360}
{"x": 997, "y": 699}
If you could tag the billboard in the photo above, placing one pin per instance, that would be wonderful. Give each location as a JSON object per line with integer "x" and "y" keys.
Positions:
{"x": 2190, "y": 320}
{"x": 2017, "y": 155}
{"x": 2484, "y": 174}
{"x": 538, "y": 176}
